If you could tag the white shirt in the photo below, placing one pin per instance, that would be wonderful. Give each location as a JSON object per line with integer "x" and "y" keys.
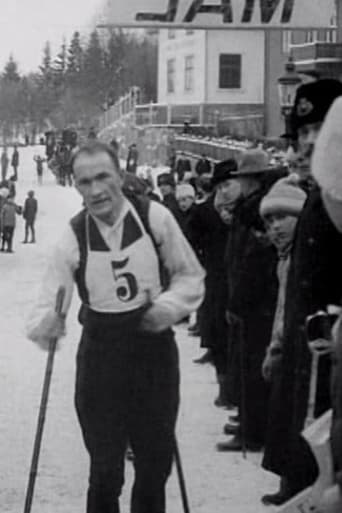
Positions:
{"x": 186, "y": 288}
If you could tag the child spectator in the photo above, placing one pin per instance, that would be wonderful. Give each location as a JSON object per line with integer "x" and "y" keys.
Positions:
{"x": 280, "y": 209}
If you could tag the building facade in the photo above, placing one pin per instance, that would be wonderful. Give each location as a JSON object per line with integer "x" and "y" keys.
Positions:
{"x": 229, "y": 78}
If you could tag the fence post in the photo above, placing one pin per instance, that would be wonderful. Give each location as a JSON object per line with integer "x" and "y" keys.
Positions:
{"x": 201, "y": 112}
{"x": 151, "y": 113}
{"x": 169, "y": 114}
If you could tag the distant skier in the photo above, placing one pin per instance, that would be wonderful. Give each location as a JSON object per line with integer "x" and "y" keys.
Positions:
{"x": 39, "y": 165}
{"x": 15, "y": 162}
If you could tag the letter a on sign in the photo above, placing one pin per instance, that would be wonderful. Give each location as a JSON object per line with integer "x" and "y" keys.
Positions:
{"x": 219, "y": 14}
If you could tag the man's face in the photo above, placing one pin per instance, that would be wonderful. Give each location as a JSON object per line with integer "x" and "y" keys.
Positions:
{"x": 185, "y": 203}
{"x": 99, "y": 183}
{"x": 307, "y": 135}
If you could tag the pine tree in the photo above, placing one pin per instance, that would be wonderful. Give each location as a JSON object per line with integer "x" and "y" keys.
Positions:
{"x": 94, "y": 69}
{"x": 59, "y": 67}
{"x": 45, "y": 68}
{"x": 75, "y": 56}
{"x": 11, "y": 73}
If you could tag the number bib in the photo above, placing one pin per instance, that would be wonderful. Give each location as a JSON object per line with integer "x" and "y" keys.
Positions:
{"x": 120, "y": 279}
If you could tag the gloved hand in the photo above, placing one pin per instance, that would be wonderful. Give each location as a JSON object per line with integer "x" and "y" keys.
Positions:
{"x": 52, "y": 326}
{"x": 271, "y": 365}
{"x": 331, "y": 500}
{"x": 156, "y": 319}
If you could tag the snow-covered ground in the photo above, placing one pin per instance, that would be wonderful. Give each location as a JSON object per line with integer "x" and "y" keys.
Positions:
{"x": 219, "y": 482}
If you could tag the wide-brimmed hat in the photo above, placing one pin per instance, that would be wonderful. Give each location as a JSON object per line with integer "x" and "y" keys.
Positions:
{"x": 252, "y": 162}
{"x": 223, "y": 171}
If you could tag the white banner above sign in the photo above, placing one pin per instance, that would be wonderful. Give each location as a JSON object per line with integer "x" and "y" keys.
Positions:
{"x": 218, "y": 14}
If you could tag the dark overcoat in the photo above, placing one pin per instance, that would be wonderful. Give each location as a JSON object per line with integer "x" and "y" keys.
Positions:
{"x": 252, "y": 285}
{"x": 314, "y": 281}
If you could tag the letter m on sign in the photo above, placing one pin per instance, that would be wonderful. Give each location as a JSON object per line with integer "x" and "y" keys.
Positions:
{"x": 268, "y": 7}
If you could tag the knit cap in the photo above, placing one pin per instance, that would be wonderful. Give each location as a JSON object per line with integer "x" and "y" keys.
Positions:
{"x": 285, "y": 196}
{"x": 185, "y": 190}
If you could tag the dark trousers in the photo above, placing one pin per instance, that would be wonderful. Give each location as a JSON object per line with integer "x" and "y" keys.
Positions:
{"x": 7, "y": 237}
{"x": 127, "y": 392}
{"x": 29, "y": 227}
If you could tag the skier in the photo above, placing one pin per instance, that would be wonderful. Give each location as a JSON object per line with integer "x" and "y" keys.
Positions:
{"x": 39, "y": 165}
{"x": 127, "y": 365}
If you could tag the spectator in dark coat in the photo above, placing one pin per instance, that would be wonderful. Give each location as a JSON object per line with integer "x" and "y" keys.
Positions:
{"x": 8, "y": 222}
{"x": 202, "y": 166}
{"x": 167, "y": 186}
{"x": 280, "y": 209}
{"x": 251, "y": 298}
{"x": 328, "y": 173}
{"x": 4, "y": 163}
{"x": 314, "y": 282}
{"x": 15, "y": 162}
{"x": 29, "y": 214}
{"x": 208, "y": 236}
{"x": 185, "y": 195}
{"x": 183, "y": 166}
{"x": 132, "y": 159}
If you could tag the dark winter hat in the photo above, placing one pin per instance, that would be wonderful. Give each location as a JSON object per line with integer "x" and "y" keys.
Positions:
{"x": 223, "y": 171}
{"x": 166, "y": 179}
{"x": 313, "y": 101}
{"x": 133, "y": 185}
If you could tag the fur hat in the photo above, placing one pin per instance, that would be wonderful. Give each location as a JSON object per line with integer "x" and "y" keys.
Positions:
{"x": 327, "y": 156}
{"x": 313, "y": 101}
{"x": 252, "y": 162}
{"x": 285, "y": 196}
{"x": 223, "y": 171}
{"x": 185, "y": 190}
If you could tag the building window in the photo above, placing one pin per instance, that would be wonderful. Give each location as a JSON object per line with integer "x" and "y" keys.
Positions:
{"x": 171, "y": 34}
{"x": 189, "y": 73}
{"x": 331, "y": 36}
{"x": 230, "y": 71}
{"x": 286, "y": 41}
{"x": 311, "y": 36}
{"x": 171, "y": 76}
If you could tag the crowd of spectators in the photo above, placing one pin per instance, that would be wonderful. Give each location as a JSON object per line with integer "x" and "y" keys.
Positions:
{"x": 272, "y": 259}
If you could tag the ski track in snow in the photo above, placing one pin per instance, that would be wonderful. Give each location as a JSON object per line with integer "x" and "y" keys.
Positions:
{"x": 219, "y": 482}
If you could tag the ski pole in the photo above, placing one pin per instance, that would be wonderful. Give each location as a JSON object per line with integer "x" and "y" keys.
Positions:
{"x": 42, "y": 409}
{"x": 181, "y": 479}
